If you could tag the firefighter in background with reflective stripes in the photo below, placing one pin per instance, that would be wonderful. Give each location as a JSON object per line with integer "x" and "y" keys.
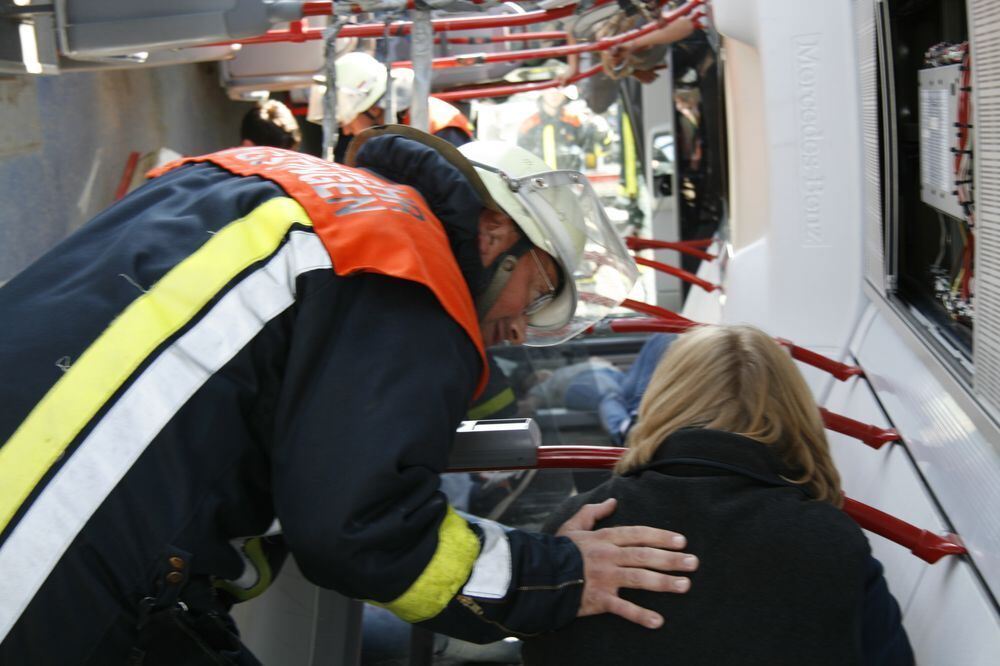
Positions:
{"x": 553, "y": 133}
{"x": 226, "y": 346}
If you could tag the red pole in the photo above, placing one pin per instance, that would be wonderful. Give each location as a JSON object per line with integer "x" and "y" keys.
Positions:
{"x": 677, "y": 272}
{"x": 560, "y": 51}
{"x": 377, "y": 30}
{"x": 510, "y": 89}
{"x": 841, "y": 371}
{"x": 656, "y": 311}
{"x": 126, "y": 180}
{"x": 871, "y": 435}
{"x": 513, "y": 37}
{"x": 924, "y": 544}
{"x": 636, "y": 243}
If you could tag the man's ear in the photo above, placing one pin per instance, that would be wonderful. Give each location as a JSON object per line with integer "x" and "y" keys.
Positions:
{"x": 497, "y": 234}
{"x": 247, "y": 142}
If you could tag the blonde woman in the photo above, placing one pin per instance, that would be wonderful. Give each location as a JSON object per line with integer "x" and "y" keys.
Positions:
{"x": 729, "y": 449}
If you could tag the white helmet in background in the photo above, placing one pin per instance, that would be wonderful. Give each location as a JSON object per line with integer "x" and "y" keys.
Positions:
{"x": 561, "y": 214}
{"x": 361, "y": 84}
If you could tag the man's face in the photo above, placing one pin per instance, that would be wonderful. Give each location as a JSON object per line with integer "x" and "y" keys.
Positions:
{"x": 363, "y": 121}
{"x": 533, "y": 277}
{"x": 551, "y": 101}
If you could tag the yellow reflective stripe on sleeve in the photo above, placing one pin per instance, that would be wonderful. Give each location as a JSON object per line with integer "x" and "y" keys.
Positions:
{"x": 144, "y": 325}
{"x": 449, "y": 568}
{"x": 493, "y": 405}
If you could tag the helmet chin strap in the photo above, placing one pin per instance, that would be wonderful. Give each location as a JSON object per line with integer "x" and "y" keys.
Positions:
{"x": 499, "y": 273}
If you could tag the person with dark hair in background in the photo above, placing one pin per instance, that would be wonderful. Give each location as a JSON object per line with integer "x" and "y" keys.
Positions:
{"x": 270, "y": 123}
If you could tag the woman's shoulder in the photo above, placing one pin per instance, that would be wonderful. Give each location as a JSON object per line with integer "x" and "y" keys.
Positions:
{"x": 569, "y": 507}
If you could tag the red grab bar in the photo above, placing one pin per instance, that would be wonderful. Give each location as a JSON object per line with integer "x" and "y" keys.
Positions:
{"x": 126, "y": 179}
{"x": 483, "y": 92}
{"x": 871, "y": 435}
{"x": 636, "y": 243}
{"x": 397, "y": 28}
{"x": 677, "y": 272}
{"x": 926, "y": 545}
{"x": 560, "y": 51}
{"x": 841, "y": 371}
{"x": 657, "y": 311}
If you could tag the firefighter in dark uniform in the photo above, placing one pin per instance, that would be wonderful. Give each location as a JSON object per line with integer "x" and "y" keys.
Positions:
{"x": 553, "y": 133}
{"x": 227, "y": 347}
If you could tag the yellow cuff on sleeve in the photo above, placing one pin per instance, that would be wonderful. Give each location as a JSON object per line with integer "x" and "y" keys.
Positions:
{"x": 449, "y": 568}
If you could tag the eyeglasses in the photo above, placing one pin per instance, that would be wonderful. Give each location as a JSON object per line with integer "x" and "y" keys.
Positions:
{"x": 536, "y": 305}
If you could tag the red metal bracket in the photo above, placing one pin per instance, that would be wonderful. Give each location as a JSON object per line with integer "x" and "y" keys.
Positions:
{"x": 126, "y": 180}
{"x": 841, "y": 371}
{"x": 636, "y": 243}
{"x": 677, "y": 272}
{"x": 871, "y": 435}
{"x": 926, "y": 545}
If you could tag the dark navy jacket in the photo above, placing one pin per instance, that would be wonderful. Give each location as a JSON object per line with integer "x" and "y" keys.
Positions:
{"x": 257, "y": 384}
{"x": 782, "y": 579}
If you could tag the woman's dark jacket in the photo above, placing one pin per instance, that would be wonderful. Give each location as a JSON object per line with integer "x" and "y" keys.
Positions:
{"x": 783, "y": 579}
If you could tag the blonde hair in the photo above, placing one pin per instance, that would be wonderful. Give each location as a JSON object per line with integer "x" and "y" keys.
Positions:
{"x": 736, "y": 379}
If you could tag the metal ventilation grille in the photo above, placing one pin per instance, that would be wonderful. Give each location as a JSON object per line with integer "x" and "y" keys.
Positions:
{"x": 985, "y": 34}
{"x": 864, "y": 23}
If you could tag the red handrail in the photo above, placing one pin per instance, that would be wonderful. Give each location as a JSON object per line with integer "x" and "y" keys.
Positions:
{"x": 551, "y": 35}
{"x": 677, "y": 272}
{"x": 484, "y": 92}
{"x": 637, "y": 243}
{"x": 126, "y": 179}
{"x": 925, "y": 544}
{"x": 397, "y": 28}
{"x": 560, "y": 51}
{"x": 872, "y": 435}
{"x": 463, "y": 23}
{"x": 324, "y": 8}
{"x": 841, "y": 371}
{"x": 657, "y": 311}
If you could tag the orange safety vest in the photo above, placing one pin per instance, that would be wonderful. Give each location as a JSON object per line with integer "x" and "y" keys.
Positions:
{"x": 366, "y": 223}
{"x": 441, "y": 114}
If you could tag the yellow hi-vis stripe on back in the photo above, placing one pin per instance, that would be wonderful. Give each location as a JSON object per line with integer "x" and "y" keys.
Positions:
{"x": 449, "y": 568}
{"x": 144, "y": 325}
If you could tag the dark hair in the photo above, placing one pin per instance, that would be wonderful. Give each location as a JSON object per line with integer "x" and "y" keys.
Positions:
{"x": 270, "y": 123}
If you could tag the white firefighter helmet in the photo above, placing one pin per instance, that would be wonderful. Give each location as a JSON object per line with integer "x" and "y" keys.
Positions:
{"x": 360, "y": 83}
{"x": 559, "y": 212}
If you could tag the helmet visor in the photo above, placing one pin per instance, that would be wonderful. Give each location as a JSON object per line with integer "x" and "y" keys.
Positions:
{"x": 599, "y": 271}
